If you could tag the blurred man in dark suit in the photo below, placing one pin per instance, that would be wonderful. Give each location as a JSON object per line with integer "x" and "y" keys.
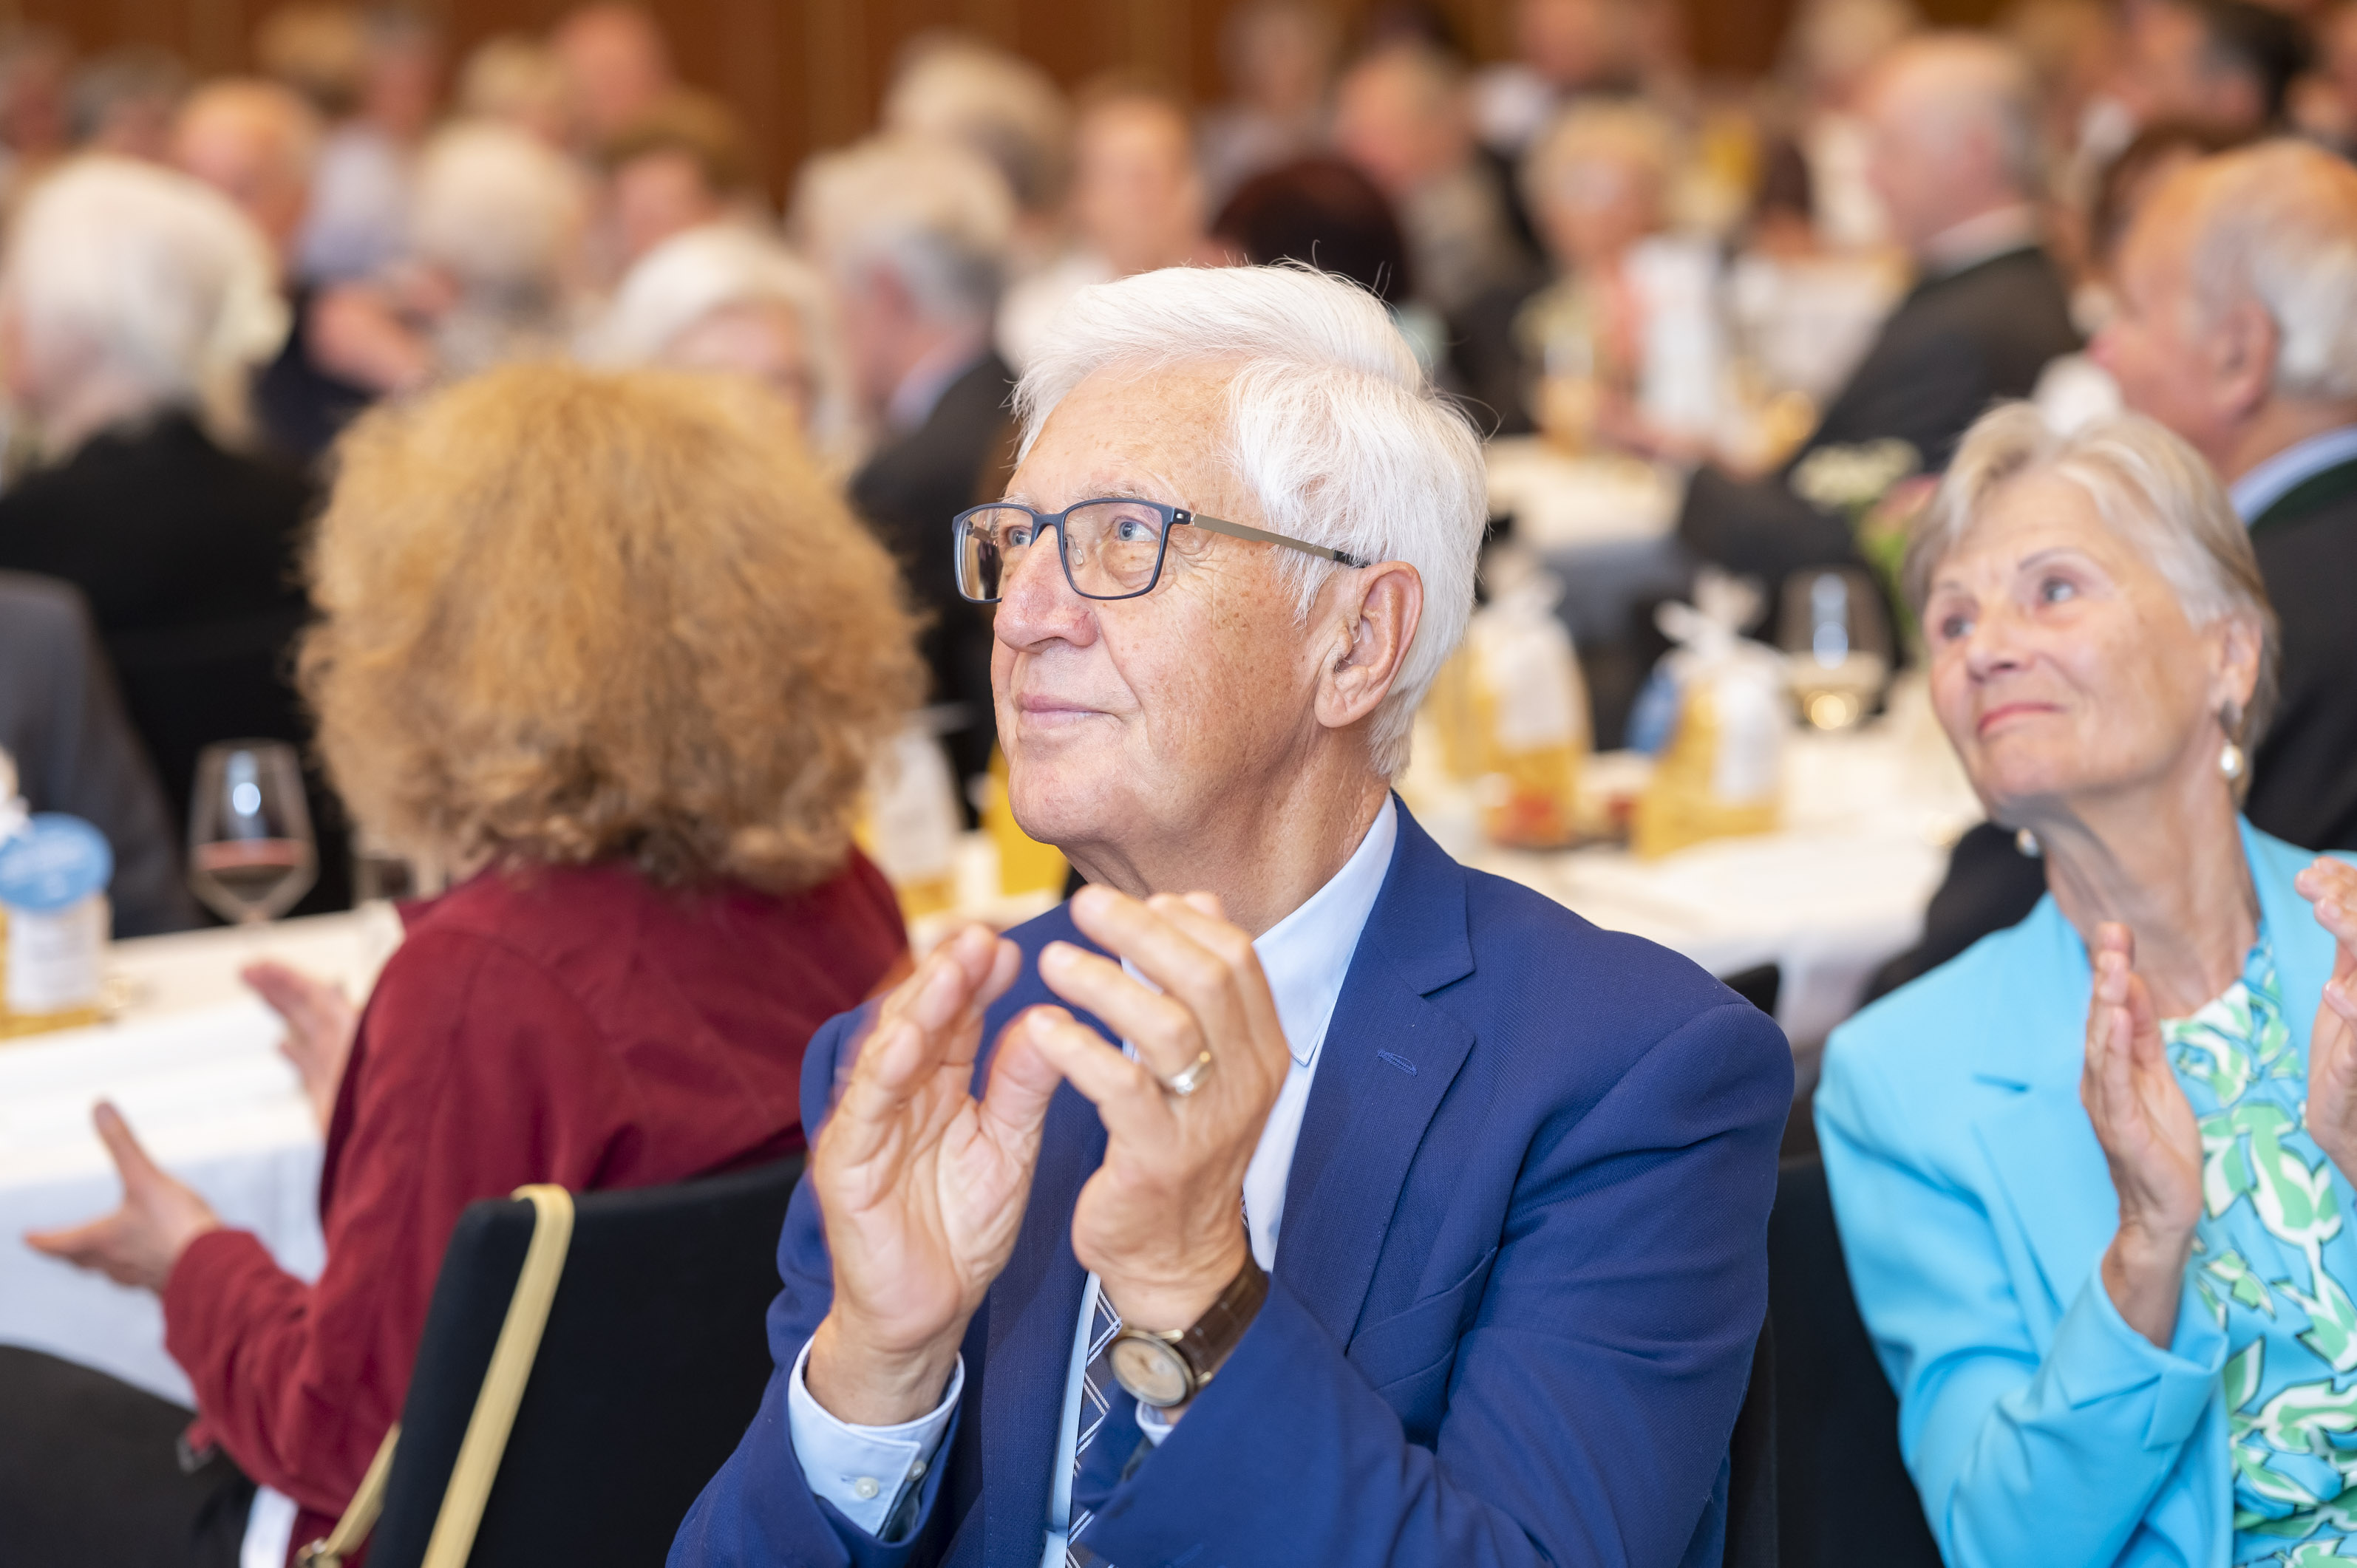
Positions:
{"x": 2237, "y": 329}
{"x": 915, "y": 235}
{"x": 1953, "y": 120}
{"x": 61, "y": 724}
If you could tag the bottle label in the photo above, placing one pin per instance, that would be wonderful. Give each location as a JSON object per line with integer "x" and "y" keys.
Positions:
{"x": 56, "y": 958}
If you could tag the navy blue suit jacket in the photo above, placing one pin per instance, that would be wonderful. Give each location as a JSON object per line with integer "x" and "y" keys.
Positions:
{"x": 1512, "y": 1317}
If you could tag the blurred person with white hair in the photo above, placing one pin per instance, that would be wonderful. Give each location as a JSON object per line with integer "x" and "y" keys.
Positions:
{"x": 360, "y": 215}
{"x": 1401, "y": 115}
{"x": 495, "y": 234}
{"x": 1955, "y": 159}
{"x": 257, "y": 143}
{"x": 1007, "y": 111}
{"x": 1137, "y": 204}
{"x": 1261, "y": 1162}
{"x": 725, "y": 298}
{"x": 1276, "y": 58}
{"x": 135, "y": 306}
{"x": 913, "y": 234}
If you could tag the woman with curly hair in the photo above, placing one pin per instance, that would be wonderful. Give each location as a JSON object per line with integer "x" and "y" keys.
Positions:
{"x": 608, "y": 651}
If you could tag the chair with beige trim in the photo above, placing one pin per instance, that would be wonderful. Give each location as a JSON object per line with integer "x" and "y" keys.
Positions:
{"x": 587, "y": 1364}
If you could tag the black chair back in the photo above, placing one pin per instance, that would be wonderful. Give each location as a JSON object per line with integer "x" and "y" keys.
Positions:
{"x": 1842, "y": 1495}
{"x": 649, "y": 1370}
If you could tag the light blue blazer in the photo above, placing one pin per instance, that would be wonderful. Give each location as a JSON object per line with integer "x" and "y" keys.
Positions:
{"x": 1974, "y": 1208}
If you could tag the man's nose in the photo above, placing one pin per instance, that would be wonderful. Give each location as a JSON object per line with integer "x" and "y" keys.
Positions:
{"x": 1036, "y": 604}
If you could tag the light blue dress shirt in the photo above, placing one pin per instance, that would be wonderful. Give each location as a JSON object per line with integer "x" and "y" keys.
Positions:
{"x": 865, "y": 1471}
{"x": 2269, "y": 482}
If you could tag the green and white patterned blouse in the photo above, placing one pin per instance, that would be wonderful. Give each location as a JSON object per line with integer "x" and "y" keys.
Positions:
{"x": 2273, "y": 1260}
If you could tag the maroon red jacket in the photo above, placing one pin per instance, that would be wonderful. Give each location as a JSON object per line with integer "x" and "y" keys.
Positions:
{"x": 570, "y": 1025}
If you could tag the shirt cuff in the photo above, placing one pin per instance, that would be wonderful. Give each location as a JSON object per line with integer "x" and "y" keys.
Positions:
{"x": 864, "y": 1470}
{"x": 1150, "y": 1422}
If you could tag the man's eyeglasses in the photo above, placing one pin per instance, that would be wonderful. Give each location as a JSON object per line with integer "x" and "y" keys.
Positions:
{"x": 1111, "y": 549}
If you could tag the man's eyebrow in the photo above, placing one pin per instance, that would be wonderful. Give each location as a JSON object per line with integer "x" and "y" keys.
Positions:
{"x": 1105, "y": 490}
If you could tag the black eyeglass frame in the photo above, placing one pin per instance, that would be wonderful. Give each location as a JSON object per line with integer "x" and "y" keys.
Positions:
{"x": 1172, "y": 517}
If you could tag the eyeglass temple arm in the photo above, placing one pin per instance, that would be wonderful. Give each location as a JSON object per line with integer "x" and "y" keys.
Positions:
{"x": 1238, "y": 530}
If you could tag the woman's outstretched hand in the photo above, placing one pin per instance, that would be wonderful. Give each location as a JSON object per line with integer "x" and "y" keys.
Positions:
{"x": 139, "y": 1242}
{"x": 2331, "y": 886}
{"x": 320, "y": 1024}
{"x": 2149, "y": 1137}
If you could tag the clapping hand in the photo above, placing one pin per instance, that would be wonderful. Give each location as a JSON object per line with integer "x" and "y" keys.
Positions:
{"x": 2331, "y": 886}
{"x": 139, "y": 1242}
{"x": 2149, "y": 1137}
{"x": 1160, "y": 1221}
{"x": 922, "y": 1187}
{"x": 320, "y": 1024}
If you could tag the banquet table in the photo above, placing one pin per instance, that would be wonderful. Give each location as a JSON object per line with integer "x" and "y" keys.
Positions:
{"x": 191, "y": 1057}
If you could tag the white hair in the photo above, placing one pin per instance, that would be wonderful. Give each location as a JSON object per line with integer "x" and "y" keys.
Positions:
{"x": 1332, "y": 424}
{"x": 719, "y": 266}
{"x": 933, "y": 214}
{"x": 996, "y": 104}
{"x": 2279, "y": 225}
{"x": 2148, "y": 487}
{"x": 499, "y": 209}
{"x": 148, "y": 276}
{"x": 1957, "y": 82}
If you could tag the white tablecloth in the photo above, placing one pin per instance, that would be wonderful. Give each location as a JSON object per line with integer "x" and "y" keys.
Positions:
{"x": 1839, "y": 890}
{"x": 192, "y": 1061}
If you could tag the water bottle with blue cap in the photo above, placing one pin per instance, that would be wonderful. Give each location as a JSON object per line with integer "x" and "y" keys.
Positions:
{"x": 53, "y": 915}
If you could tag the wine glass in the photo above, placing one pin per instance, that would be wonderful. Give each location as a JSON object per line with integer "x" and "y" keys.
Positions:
{"x": 251, "y": 853}
{"x": 1836, "y": 638}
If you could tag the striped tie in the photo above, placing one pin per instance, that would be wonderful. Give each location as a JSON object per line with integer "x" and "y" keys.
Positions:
{"x": 1108, "y": 1435}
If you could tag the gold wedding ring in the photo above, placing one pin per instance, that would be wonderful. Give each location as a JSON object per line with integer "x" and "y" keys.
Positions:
{"x": 1189, "y": 1078}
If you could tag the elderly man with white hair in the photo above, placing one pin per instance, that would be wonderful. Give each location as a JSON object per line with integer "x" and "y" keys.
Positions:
{"x": 914, "y": 232}
{"x": 1293, "y": 1194}
{"x": 1955, "y": 158}
{"x": 134, "y": 305}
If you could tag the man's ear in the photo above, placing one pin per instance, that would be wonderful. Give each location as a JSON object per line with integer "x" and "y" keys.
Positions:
{"x": 2244, "y": 346}
{"x": 1365, "y": 639}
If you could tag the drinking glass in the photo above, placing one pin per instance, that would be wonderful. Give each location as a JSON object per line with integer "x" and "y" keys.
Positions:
{"x": 251, "y": 853}
{"x": 1836, "y": 638}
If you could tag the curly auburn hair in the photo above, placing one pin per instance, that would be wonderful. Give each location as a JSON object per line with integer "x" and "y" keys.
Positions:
{"x": 569, "y": 615}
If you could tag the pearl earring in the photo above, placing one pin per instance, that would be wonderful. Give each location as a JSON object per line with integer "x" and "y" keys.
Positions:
{"x": 2026, "y": 842}
{"x": 2231, "y": 760}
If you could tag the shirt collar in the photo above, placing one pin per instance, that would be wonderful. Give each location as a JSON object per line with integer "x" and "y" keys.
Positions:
{"x": 920, "y": 392}
{"x": 2269, "y": 482}
{"x": 1307, "y": 954}
{"x": 1980, "y": 239}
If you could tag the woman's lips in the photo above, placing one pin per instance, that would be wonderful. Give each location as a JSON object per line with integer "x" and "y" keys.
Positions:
{"x": 1998, "y": 716}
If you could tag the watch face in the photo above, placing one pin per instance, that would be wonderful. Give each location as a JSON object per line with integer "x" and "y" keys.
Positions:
{"x": 1151, "y": 1371}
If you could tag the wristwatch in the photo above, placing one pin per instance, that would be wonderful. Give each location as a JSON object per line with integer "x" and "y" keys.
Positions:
{"x": 1164, "y": 1367}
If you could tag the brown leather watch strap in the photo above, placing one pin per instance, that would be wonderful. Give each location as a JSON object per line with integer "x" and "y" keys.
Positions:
{"x": 1212, "y": 1337}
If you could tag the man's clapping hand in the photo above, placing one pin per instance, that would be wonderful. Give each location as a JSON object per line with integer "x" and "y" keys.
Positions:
{"x": 1161, "y": 1220}
{"x": 922, "y": 1187}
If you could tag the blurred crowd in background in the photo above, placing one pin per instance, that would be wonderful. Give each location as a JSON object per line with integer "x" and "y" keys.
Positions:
{"x": 207, "y": 279}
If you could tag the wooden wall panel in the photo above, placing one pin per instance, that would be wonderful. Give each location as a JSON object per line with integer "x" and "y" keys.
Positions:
{"x": 808, "y": 73}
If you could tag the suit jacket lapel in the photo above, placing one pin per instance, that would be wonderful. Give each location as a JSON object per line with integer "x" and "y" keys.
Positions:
{"x": 1388, "y": 1058}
